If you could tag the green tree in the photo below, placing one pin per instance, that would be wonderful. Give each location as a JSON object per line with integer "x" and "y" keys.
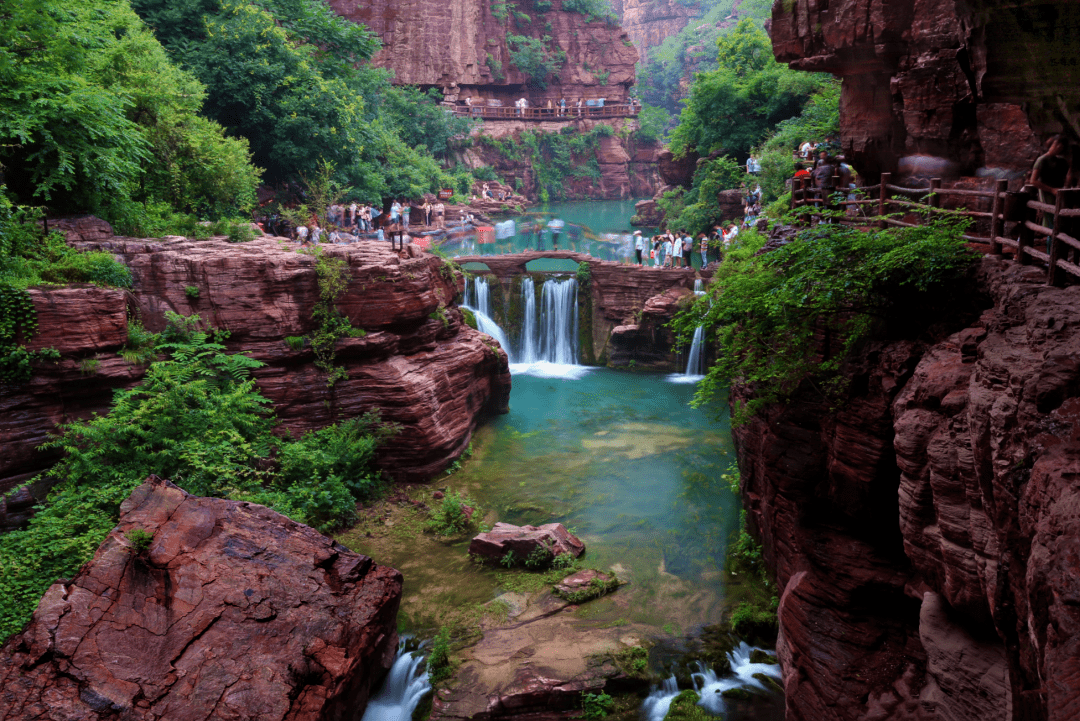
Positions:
{"x": 533, "y": 57}
{"x": 733, "y": 107}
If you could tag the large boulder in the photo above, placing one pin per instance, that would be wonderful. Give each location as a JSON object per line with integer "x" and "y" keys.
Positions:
{"x": 233, "y": 612}
{"x": 524, "y": 540}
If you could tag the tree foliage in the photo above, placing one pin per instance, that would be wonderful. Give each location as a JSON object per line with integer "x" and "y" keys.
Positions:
{"x": 730, "y": 109}
{"x": 697, "y": 210}
{"x": 97, "y": 118}
{"x": 766, "y": 311}
{"x": 535, "y": 58}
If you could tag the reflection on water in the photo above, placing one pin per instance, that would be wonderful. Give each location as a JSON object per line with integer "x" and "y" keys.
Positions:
{"x": 600, "y": 228}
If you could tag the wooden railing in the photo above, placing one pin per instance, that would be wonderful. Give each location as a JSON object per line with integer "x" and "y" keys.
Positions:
{"x": 541, "y": 113}
{"x": 1011, "y": 213}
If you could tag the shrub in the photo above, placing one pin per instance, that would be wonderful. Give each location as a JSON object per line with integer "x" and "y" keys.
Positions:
{"x": 191, "y": 291}
{"x": 439, "y": 667}
{"x": 89, "y": 366}
{"x": 596, "y": 705}
{"x": 295, "y": 342}
{"x": 140, "y": 539}
{"x": 451, "y": 517}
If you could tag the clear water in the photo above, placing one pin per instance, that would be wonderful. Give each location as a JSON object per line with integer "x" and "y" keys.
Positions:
{"x": 623, "y": 461}
{"x": 600, "y": 228}
{"x": 403, "y": 688}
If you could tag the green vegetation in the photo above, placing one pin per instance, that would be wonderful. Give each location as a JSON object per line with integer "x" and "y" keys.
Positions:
{"x": 633, "y": 661}
{"x": 696, "y": 210}
{"x": 333, "y": 277}
{"x": 191, "y": 291}
{"x": 97, "y": 119}
{"x": 535, "y": 58}
{"x": 597, "y": 587}
{"x": 596, "y": 705}
{"x": 684, "y": 707}
{"x": 554, "y": 156}
{"x": 140, "y": 539}
{"x": 584, "y": 273}
{"x": 198, "y": 420}
{"x": 767, "y": 311}
{"x": 652, "y": 124}
{"x": 439, "y": 667}
{"x": 591, "y": 9}
{"x": 730, "y": 109}
{"x": 457, "y": 514}
{"x": 819, "y": 119}
{"x": 89, "y": 366}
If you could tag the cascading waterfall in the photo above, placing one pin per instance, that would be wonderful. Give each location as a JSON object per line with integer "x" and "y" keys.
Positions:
{"x": 710, "y": 687}
{"x": 402, "y": 690}
{"x": 695, "y": 360}
{"x": 529, "y": 333}
{"x": 478, "y": 300}
{"x": 559, "y": 322}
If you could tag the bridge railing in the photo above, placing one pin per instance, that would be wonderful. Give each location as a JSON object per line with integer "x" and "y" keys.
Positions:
{"x": 1011, "y": 213}
{"x": 540, "y": 113}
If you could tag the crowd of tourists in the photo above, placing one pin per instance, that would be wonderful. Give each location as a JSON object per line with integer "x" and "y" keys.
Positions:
{"x": 346, "y": 222}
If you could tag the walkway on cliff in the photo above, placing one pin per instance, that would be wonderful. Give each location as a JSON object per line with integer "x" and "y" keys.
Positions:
{"x": 541, "y": 113}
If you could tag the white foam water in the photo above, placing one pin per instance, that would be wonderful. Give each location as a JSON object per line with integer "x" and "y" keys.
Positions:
{"x": 711, "y": 687}
{"x": 402, "y": 690}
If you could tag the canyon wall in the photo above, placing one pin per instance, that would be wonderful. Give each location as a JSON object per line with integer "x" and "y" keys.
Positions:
{"x": 925, "y": 531}
{"x": 461, "y": 47}
{"x": 232, "y": 612}
{"x": 977, "y": 82}
{"x": 649, "y": 22}
{"x": 418, "y": 363}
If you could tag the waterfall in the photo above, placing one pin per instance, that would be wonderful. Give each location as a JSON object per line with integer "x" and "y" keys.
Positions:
{"x": 549, "y": 334}
{"x": 478, "y": 300}
{"x": 402, "y": 690}
{"x": 710, "y": 687}
{"x": 559, "y": 322}
{"x": 529, "y": 332}
{"x": 695, "y": 363}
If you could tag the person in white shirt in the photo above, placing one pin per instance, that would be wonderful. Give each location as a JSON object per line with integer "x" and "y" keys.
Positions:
{"x": 805, "y": 148}
{"x": 301, "y": 234}
{"x": 639, "y": 245}
{"x": 352, "y": 214}
{"x": 667, "y": 248}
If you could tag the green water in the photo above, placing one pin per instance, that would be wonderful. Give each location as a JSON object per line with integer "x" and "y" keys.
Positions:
{"x": 597, "y": 227}
{"x": 623, "y": 461}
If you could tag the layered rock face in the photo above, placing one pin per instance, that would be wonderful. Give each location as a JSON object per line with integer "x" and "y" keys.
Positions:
{"x": 418, "y": 364}
{"x": 650, "y": 22}
{"x": 926, "y": 534}
{"x": 628, "y": 168}
{"x": 448, "y": 45}
{"x": 941, "y": 78}
{"x": 233, "y": 612}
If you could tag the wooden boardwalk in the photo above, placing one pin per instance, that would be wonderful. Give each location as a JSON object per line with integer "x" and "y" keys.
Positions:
{"x": 485, "y": 112}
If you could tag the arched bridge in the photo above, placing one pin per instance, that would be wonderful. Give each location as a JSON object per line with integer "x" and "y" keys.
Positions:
{"x": 514, "y": 263}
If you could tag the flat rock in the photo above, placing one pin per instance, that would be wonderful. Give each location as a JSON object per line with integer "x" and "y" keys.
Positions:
{"x": 234, "y": 612}
{"x": 523, "y": 540}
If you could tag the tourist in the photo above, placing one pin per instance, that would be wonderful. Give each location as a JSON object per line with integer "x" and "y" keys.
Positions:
{"x": 806, "y": 149}
{"x": 316, "y": 231}
{"x": 335, "y": 236}
{"x": 440, "y": 214}
{"x": 666, "y": 250}
{"x": 579, "y": 103}
{"x": 395, "y": 213}
{"x": 703, "y": 244}
{"x": 655, "y": 252}
{"x": 639, "y": 245}
{"x": 753, "y": 166}
{"x": 301, "y": 234}
{"x": 562, "y": 107}
{"x": 426, "y": 208}
{"x": 687, "y": 250}
{"x": 1049, "y": 174}
{"x": 406, "y": 212}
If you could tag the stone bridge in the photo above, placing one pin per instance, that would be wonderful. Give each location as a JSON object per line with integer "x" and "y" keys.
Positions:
{"x": 514, "y": 263}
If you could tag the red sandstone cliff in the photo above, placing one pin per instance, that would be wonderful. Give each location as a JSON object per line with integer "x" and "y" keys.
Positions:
{"x": 650, "y": 22}
{"x": 926, "y": 535}
{"x": 941, "y": 78}
{"x": 437, "y": 379}
{"x": 234, "y": 612}
{"x": 447, "y": 45}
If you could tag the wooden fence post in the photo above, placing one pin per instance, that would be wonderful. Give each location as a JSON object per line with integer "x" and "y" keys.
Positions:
{"x": 886, "y": 178}
{"x": 1027, "y": 235}
{"x": 1053, "y": 275}
{"x": 796, "y": 186}
{"x": 997, "y": 225}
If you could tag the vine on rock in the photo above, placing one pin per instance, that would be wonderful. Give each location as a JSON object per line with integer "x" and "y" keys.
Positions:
{"x": 18, "y": 319}
{"x": 333, "y": 325}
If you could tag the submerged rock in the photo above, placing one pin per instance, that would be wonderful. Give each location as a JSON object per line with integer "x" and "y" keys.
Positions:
{"x": 523, "y": 542}
{"x": 586, "y": 585}
{"x": 233, "y": 611}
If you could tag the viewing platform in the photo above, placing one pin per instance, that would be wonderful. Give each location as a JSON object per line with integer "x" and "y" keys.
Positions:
{"x": 486, "y": 112}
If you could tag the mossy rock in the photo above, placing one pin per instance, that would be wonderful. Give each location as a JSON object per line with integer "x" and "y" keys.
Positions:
{"x": 738, "y": 694}
{"x": 761, "y": 656}
{"x": 684, "y": 708}
{"x": 469, "y": 317}
{"x": 769, "y": 682}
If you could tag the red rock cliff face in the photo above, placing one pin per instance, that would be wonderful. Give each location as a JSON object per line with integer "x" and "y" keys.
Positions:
{"x": 234, "y": 612}
{"x": 926, "y": 536}
{"x": 430, "y": 373}
{"x": 650, "y": 22}
{"x": 940, "y": 77}
{"x": 447, "y": 44}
